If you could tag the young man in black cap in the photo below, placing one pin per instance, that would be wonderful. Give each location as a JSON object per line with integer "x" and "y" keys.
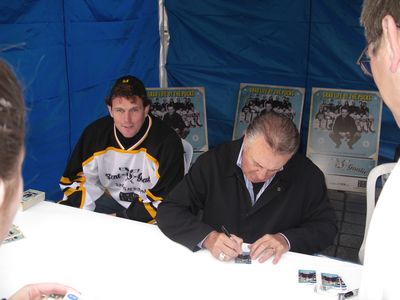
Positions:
{"x": 124, "y": 163}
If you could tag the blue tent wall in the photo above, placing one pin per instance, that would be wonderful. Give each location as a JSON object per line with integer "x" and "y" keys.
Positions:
{"x": 32, "y": 41}
{"x": 306, "y": 43}
{"x": 67, "y": 54}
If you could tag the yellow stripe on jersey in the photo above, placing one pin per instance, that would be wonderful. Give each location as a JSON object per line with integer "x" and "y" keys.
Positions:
{"x": 153, "y": 197}
{"x": 99, "y": 153}
{"x": 83, "y": 196}
{"x": 150, "y": 209}
{"x": 153, "y": 160}
{"x": 68, "y": 181}
{"x": 152, "y": 212}
{"x": 65, "y": 180}
{"x": 69, "y": 191}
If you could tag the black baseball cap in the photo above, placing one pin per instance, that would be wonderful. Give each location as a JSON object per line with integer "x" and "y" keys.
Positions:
{"x": 128, "y": 86}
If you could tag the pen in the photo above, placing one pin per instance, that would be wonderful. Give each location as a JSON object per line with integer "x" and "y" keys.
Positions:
{"x": 342, "y": 296}
{"x": 224, "y": 230}
{"x": 351, "y": 293}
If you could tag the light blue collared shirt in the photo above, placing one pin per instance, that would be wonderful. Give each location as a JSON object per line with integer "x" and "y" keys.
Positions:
{"x": 249, "y": 185}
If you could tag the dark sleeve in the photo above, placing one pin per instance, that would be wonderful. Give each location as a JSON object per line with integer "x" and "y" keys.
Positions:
{"x": 171, "y": 170}
{"x": 71, "y": 182}
{"x": 319, "y": 225}
{"x": 178, "y": 214}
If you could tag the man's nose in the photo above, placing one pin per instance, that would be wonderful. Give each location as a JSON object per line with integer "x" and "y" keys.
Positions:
{"x": 127, "y": 117}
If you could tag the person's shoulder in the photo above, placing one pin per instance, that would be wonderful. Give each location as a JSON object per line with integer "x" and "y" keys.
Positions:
{"x": 228, "y": 147}
{"x": 101, "y": 122}
{"x": 302, "y": 164}
{"x": 223, "y": 154}
{"x": 99, "y": 126}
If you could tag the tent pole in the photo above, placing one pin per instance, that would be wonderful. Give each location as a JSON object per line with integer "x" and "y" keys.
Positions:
{"x": 164, "y": 42}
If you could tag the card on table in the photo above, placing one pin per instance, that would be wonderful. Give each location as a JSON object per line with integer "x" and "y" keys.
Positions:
{"x": 244, "y": 258}
{"x": 14, "y": 234}
{"x": 332, "y": 281}
{"x": 30, "y": 198}
{"x": 307, "y": 276}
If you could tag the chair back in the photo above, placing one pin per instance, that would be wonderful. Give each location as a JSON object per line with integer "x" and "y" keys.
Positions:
{"x": 374, "y": 174}
{"x": 187, "y": 154}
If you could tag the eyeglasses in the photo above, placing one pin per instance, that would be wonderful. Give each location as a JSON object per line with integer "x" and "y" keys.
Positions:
{"x": 365, "y": 62}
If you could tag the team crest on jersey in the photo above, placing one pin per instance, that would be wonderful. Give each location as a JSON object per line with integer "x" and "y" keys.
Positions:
{"x": 135, "y": 175}
{"x": 131, "y": 175}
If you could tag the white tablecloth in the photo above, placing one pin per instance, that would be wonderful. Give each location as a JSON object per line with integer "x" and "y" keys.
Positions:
{"x": 105, "y": 257}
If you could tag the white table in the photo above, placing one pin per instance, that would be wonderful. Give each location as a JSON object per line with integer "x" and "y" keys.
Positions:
{"x": 106, "y": 257}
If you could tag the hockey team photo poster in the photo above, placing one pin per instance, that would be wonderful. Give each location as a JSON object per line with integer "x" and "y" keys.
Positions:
{"x": 254, "y": 99}
{"x": 343, "y": 136}
{"x": 184, "y": 109}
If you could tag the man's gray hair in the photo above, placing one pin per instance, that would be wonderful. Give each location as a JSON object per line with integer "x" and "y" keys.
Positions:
{"x": 373, "y": 11}
{"x": 279, "y": 132}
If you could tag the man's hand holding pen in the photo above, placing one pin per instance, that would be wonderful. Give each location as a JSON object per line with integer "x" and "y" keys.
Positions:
{"x": 223, "y": 246}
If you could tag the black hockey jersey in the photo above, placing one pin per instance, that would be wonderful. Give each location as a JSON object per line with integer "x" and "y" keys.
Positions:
{"x": 138, "y": 177}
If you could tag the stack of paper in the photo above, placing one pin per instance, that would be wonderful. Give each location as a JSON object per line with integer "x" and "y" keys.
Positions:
{"x": 31, "y": 197}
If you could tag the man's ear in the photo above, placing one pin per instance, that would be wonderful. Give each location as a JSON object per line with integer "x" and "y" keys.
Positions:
{"x": 146, "y": 109}
{"x": 110, "y": 110}
{"x": 391, "y": 34}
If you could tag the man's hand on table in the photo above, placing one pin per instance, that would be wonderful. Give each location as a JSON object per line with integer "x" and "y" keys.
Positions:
{"x": 267, "y": 246}
{"x": 222, "y": 247}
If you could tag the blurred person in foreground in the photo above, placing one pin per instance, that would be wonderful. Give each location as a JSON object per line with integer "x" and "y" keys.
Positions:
{"x": 12, "y": 133}
{"x": 260, "y": 189}
{"x": 381, "y": 59}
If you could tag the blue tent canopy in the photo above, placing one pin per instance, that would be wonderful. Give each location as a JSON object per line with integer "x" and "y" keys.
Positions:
{"x": 68, "y": 53}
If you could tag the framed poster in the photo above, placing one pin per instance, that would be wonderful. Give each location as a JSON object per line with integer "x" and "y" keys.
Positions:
{"x": 254, "y": 99}
{"x": 184, "y": 109}
{"x": 343, "y": 135}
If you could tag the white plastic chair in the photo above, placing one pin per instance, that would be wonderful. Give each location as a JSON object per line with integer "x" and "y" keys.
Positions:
{"x": 187, "y": 154}
{"x": 373, "y": 176}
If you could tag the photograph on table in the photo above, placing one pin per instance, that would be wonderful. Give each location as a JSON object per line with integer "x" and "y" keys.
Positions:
{"x": 334, "y": 281}
{"x": 14, "y": 234}
{"x": 307, "y": 276}
{"x": 343, "y": 135}
{"x": 254, "y": 99}
{"x": 244, "y": 257}
{"x": 184, "y": 109}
